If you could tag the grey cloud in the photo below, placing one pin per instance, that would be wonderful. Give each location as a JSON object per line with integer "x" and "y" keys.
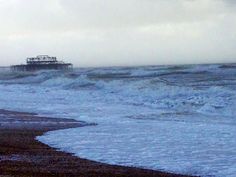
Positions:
{"x": 124, "y": 32}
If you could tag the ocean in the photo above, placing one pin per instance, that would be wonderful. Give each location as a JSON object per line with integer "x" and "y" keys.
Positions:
{"x": 179, "y": 119}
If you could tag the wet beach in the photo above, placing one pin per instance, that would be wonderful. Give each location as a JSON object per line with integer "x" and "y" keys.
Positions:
{"x": 22, "y": 155}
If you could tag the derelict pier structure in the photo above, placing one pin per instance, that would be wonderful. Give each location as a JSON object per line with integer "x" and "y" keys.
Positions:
{"x": 42, "y": 62}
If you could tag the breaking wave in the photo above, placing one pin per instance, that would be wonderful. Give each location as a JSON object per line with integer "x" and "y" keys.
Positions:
{"x": 207, "y": 89}
{"x": 149, "y": 108}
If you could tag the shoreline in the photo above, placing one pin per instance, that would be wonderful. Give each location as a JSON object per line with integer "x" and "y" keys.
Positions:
{"x": 22, "y": 155}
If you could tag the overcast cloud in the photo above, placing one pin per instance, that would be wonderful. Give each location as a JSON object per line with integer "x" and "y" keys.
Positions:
{"x": 119, "y": 32}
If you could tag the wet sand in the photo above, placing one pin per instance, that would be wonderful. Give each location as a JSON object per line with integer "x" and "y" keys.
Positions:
{"x": 23, "y": 156}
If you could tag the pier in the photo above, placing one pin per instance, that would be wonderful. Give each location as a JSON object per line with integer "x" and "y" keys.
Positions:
{"x": 42, "y": 62}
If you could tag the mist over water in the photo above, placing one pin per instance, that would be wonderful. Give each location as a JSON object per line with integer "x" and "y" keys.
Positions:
{"x": 172, "y": 118}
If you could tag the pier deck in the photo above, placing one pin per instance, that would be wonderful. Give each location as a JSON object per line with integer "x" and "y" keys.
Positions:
{"x": 42, "y": 62}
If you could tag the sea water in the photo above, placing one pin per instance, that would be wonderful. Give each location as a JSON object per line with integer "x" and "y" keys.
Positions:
{"x": 179, "y": 119}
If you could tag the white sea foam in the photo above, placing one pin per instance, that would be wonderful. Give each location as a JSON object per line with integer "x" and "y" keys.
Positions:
{"x": 179, "y": 119}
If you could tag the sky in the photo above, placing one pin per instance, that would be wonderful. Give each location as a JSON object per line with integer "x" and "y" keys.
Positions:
{"x": 119, "y": 32}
